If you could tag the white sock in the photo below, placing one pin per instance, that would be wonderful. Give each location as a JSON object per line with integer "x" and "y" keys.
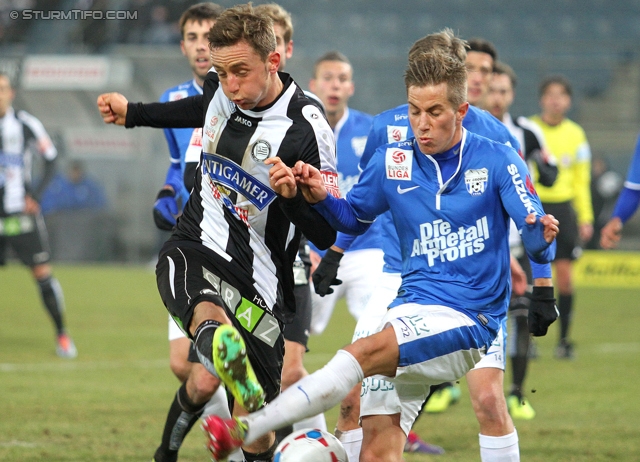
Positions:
{"x": 317, "y": 421}
{"x": 500, "y": 448}
{"x": 352, "y": 442}
{"x": 312, "y": 395}
{"x": 218, "y": 405}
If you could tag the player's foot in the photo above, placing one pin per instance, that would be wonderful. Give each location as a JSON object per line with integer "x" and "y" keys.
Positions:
{"x": 65, "y": 347}
{"x": 225, "y": 436}
{"x": 416, "y": 445}
{"x": 441, "y": 399}
{"x": 520, "y": 408}
{"x": 564, "y": 350}
{"x": 234, "y": 369}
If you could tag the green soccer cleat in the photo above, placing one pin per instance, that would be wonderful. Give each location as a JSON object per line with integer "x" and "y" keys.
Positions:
{"x": 234, "y": 369}
{"x": 519, "y": 408}
{"x": 441, "y": 399}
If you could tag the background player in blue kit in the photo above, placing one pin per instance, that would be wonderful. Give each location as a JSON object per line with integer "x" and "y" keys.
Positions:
{"x": 450, "y": 193}
{"x": 626, "y": 205}
{"x": 360, "y": 267}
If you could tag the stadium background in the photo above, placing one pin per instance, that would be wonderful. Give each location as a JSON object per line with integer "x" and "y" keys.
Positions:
{"x": 62, "y": 65}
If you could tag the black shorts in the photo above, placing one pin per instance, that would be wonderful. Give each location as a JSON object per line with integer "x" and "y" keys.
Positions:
{"x": 188, "y": 275}
{"x": 298, "y": 329}
{"x": 568, "y": 239}
{"x": 27, "y": 236}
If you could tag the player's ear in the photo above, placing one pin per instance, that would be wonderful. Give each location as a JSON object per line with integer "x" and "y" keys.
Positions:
{"x": 273, "y": 62}
{"x": 462, "y": 111}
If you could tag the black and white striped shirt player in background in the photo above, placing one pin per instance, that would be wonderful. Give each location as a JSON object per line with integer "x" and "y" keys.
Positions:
{"x": 230, "y": 258}
{"x": 22, "y": 228}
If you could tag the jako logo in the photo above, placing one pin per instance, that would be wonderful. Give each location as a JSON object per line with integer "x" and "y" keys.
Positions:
{"x": 398, "y": 157}
{"x": 243, "y": 121}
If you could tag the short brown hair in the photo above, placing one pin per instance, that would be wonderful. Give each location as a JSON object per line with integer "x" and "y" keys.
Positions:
{"x": 279, "y": 16}
{"x": 483, "y": 46}
{"x": 242, "y": 23}
{"x": 439, "y": 58}
{"x": 560, "y": 80}
{"x": 502, "y": 68}
{"x": 329, "y": 56}
{"x": 445, "y": 40}
{"x": 200, "y": 12}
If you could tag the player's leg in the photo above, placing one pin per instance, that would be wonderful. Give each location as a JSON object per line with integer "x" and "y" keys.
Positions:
{"x": 567, "y": 250}
{"x": 179, "y": 346}
{"x": 360, "y": 271}
{"x": 187, "y": 407}
{"x": 322, "y": 307}
{"x": 348, "y": 429}
{"x": 32, "y": 249}
{"x": 518, "y": 351}
{"x": 190, "y": 284}
{"x": 565, "y": 306}
{"x": 498, "y": 437}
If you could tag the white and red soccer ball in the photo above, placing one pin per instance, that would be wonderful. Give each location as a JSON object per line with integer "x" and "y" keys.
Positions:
{"x": 310, "y": 445}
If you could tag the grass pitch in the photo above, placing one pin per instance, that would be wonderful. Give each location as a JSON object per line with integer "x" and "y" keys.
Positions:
{"x": 110, "y": 403}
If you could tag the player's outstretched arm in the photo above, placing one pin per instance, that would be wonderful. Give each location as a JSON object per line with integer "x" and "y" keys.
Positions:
{"x": 113, "y": 108}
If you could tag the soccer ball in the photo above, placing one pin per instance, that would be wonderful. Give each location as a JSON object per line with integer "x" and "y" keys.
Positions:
{"x": 310, "y": 445}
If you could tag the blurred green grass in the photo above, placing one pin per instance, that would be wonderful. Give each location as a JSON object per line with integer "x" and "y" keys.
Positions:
{"x": 110, "y": 403}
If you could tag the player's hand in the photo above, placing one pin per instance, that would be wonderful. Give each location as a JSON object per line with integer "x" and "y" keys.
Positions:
{"x": 113, "y": 108}
{"x": 310, "y": 182}
{"x": 325, "y": 275}
{"x": 550, "y": 224}
{"x": 586, "y": 232}
{"x": 281, "y": 178}
{"x": 542, "y": 310}
{"x": 611, "y": 233}
{"x": 31, "y": 206}
{"x": 165, "y": 210}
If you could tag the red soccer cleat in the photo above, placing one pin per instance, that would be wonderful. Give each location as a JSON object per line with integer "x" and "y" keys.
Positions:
{"x": 225, "y": 436}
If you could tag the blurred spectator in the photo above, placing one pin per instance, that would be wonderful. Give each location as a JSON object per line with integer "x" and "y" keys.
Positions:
{"x": 161, "y": 30}
{"x": 605, "y": 188}
{"x": 75, "y": 191}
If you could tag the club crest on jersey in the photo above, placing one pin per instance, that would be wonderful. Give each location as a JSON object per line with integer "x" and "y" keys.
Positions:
{"x": 476, "y": 180}
{"x": 261, "y": 150}
{"x": 396, "y": 133}
{"x": 399, "y": 163}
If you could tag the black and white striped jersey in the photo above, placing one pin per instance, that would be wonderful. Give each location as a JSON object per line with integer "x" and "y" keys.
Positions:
{"x": 232, "y": 211}
{"x": 21, "y": 136}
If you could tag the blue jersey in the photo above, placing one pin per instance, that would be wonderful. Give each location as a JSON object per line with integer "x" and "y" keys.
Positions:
{"x": 392, "y": 126}
{"x": 627, "y": 203}
{"x": 452, "y": 233}
{"x": 185, "y": 144}
{"x": 351, "y": 136}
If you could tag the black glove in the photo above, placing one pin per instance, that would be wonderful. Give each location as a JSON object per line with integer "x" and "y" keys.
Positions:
{"x": 325, "y": 274}
{"x": 542, "y": 310}
{"x": 165, "y": 210}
